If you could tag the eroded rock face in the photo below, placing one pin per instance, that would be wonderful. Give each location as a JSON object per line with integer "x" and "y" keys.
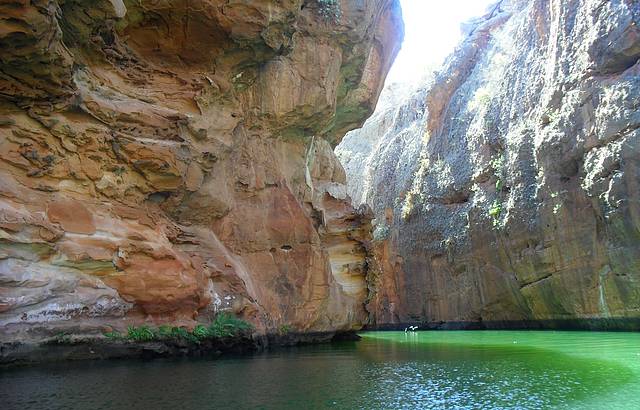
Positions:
{"x": 163, "y": 160}
{"x": 506, "y": 189}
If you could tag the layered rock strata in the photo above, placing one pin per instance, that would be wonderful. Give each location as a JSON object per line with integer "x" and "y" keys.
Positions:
{"x": 161, "y": 161}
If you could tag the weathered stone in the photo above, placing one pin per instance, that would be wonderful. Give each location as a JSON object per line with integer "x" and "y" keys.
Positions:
{"x": 155, "y": 161}
{"x": 72, "y": 216}
{"x": 506, "y": 189}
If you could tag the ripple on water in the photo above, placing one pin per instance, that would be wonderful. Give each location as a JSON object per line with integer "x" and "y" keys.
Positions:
{"x": 387, "y": 370}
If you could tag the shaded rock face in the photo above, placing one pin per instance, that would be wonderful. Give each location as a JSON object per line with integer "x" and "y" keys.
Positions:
{"x": 507, "y": 187}
{"x": 164, "y": 160}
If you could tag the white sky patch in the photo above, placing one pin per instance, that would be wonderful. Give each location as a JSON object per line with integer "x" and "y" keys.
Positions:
{"x": 432, "y": 31}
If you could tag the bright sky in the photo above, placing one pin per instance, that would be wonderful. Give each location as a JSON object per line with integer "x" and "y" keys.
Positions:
{"x": 432, "y": 30}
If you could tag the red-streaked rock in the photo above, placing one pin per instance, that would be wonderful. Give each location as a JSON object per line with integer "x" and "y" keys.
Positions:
{"x": 156, "y": 161}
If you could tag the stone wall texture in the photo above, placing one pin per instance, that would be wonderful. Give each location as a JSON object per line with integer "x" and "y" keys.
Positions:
{"x": 161, "y": 161}
{"x": 506, "y": 188}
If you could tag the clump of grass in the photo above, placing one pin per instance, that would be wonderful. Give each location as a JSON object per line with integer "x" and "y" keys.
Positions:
{"x": 180, "y": 333}
{"x": 224, "y": 325}
{"x": 141, "y": 334}
{"x": 284, "y": 329}
{"x": 164, "y": 332}
{"x": 498, "y": 171}
{"x": 498, "y": 166}
{"x": 496, "y": 209}
{"x": 114, "y": 335}
{"x": 201, "y": 332}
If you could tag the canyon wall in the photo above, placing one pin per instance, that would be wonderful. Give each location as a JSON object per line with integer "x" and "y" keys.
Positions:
{"x": 506, "y": 188}
{"x": 161, "y": 161}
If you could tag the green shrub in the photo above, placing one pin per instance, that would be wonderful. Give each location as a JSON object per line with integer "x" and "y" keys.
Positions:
{"x": 498, "y": 165}
{"x": 113, "y": 335}
{"x": 224, "y": 325}
{"x": 495, "y": 211}
{"x": 227, "y": 325}
{"x": 140, "y": 334}
{"x": 164, "y": 332}
{"x": 284, "y": 329}
{"x": 182, "y": 333}
{"x": 201, "y": 332}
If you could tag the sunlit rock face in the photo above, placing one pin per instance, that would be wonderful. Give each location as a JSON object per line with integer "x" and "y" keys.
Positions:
{"x": 507, "y": 189}
{"x": 164, "y": 160}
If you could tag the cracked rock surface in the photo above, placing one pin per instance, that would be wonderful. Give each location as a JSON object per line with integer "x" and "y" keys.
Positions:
{"x": 506, "y": 189}
{"x": 164, "y": 160}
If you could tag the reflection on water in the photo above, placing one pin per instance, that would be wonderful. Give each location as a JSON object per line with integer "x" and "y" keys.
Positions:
{"x": 386, "y": 370}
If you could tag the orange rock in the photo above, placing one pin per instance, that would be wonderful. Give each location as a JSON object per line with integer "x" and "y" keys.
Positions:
{"x": 72, "y": 216}
{"x": 164, "y": 170}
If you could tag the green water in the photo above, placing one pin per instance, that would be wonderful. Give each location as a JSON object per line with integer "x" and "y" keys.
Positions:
{"x": 385, "y": 370}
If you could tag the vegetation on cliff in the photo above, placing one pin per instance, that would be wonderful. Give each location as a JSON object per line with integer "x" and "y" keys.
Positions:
{"x": 224, "y": 325}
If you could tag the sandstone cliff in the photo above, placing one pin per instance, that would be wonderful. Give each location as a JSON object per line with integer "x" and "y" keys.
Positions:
{"x": 506, "y": 190}
{"x": 164, "y": 160}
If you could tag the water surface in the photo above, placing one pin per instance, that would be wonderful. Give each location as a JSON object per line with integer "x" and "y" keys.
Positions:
{"x": 385, "y": 370}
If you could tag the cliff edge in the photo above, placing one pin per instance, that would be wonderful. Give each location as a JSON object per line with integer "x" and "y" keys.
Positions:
{"x": 161, "y": 161}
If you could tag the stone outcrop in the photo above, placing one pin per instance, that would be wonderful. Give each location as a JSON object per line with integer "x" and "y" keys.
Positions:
{"x": 506, "y": 189}
{"x": 164, "y": 160}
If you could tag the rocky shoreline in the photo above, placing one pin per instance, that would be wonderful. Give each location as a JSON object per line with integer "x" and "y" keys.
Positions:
{"x": 593, "y": 324}
{"x": 16, "y": 353}
{"x": 21, "y": 354}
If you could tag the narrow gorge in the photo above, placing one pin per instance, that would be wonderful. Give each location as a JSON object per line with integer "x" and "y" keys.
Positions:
{"x": 163, "y": 161}
{"x": 319, "y": 204}
{"x": 166, "y": 161}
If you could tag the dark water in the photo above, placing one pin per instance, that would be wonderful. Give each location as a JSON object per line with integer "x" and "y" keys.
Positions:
{"x": 386, "y": 370}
